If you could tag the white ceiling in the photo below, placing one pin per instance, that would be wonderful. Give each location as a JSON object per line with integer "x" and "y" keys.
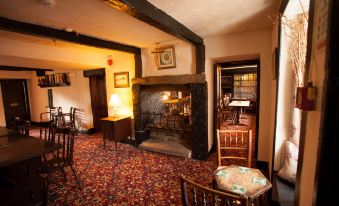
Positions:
{"x": 209, "y": 18}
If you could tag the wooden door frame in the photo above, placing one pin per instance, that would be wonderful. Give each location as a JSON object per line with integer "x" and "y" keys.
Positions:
{"x": 215, "y": 100}
{"x": 95, "y": 73}
{"x": 25, "y": 94}
{"x": 328, "y": 152}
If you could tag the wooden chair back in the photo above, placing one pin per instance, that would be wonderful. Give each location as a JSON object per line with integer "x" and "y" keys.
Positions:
{"x": 65, "y": 137}
{"x": 193, "y": 193}
{"x": 234, "y": 145}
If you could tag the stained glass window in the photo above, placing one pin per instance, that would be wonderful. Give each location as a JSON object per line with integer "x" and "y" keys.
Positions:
{"x": 245, "y": 86}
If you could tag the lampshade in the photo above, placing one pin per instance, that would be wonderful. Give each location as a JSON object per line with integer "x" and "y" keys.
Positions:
{"x": 114, "y": 101}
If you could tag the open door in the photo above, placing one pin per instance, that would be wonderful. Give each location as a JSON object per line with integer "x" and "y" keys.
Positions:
{"x": 97, "y": 85}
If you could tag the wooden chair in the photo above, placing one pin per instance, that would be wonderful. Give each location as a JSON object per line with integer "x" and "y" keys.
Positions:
{"x": 195, "y": 194}
{"x": 61, "y": 159}
{"x": 234, "y": 145}
{"x": 226, "y": 113}
{"x": 69, "y": 118}
{"x": 21, "y": 126}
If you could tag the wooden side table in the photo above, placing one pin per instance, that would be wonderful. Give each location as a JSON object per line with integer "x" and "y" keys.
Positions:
{"x": 115, "y": 128}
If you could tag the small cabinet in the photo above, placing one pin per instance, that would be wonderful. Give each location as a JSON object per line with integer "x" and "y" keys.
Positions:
{"x": 115, "y": 128}
{"x": 55, "y": 80}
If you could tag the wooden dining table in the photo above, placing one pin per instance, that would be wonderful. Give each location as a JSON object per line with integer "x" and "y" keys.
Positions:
{"x": 249, "y": 183}
{"x": 239, "y": 104}
{"x": 20, "y": 159}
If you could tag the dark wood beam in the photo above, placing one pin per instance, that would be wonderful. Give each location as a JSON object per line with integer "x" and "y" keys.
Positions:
{"x": 200, "y": 58}
{"x": 170, "y": 79}
{"x": 59, "y": 34}
{"x": 94, "y": 72}
{"x": 14, "y": 68}
{"x": 146, "y": 12}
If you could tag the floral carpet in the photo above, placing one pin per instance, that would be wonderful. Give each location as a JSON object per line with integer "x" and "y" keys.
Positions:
{"x": 128, "y": 176}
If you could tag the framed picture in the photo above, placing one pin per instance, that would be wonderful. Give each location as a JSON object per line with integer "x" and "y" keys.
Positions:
{"x": 275, "y": 63}
{"x": 166, "y": 57}
{"x": 121, "y": 80}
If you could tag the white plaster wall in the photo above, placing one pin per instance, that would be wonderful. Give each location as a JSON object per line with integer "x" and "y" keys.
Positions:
{"x": 185, "y": 60}
{"x": 285, "y": 103}
{"x": 241, "y": 46}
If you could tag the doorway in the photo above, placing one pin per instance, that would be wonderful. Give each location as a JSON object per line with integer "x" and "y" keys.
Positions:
{"x": 97, "y": 85}
{"x": 238, "y": 81}
{"x": 15, "y": 100}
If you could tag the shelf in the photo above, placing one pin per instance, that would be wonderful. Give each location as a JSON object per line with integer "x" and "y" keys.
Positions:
{"x": 54, "y": 80}
{"x": 55, "y": 85}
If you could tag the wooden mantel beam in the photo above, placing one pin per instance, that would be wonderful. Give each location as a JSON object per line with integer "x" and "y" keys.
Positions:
{"x": 171, "y": 79}
{"x": 148, "y": 13}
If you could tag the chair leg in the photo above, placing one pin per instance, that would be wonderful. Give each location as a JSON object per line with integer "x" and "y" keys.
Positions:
{"x": 64, "y": 174}
{"x": 76, "y": 177}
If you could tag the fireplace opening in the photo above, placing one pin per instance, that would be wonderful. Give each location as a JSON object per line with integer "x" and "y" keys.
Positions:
{"x": 165, "y": 114}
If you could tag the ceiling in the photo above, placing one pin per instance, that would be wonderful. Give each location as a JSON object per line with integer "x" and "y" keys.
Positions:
{"x": 220, "y": 17}
{"x": 98, "y": 19}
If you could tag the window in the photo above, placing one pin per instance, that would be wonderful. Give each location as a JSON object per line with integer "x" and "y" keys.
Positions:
{"x": 245, "y": 86}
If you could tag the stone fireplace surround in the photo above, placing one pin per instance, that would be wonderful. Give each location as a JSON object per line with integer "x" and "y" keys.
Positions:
{"x": 198, "y": 89}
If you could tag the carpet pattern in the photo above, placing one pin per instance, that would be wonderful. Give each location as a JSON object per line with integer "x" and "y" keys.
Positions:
{"x": 129, "y": 176}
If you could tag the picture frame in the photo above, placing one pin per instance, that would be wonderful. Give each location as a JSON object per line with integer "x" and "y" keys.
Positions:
{"x": 275, "y": 64}
{"x": 121, "y": 80}
{"x": 166, "y": 57}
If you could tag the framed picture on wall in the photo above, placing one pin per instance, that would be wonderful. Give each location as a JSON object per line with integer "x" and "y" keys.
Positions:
{"x": 121, "y": 79}
{"x": 165, "y": 57}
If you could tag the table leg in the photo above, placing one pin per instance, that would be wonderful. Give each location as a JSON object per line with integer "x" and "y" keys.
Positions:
{"x": 237, "y": 119}
{"x": 104, "y": 143}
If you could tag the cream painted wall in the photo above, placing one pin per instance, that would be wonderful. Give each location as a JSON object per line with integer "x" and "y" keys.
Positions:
{"x": 76, "y": 95}
{"x": 2, "y": 112}
{"x": 185, "y": 60}
{"x": 15, "y": 48}
{"x": 240, "y": 46}
{"x": 123, "y": 62}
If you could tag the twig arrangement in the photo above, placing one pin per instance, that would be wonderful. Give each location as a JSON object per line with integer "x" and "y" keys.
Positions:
{"x": 295, "y": 34}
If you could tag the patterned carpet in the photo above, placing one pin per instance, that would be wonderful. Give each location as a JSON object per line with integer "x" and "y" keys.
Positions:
{"x": 129, "y": 176}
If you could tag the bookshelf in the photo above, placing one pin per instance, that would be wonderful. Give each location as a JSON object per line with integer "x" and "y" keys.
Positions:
{"x": 54, "y": 80}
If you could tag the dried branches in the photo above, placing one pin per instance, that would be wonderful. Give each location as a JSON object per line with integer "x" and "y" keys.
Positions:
{"x": 295, "y": 34}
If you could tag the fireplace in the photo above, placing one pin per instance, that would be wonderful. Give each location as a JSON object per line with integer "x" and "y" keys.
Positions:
{"x": 171, "y": 115}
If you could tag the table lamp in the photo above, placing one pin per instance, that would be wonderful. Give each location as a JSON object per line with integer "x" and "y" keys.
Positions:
{"x": 114, "y": 102}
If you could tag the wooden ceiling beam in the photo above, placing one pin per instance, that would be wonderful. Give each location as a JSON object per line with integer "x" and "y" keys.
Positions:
{"x": 148, "y": 13}
{"x": 59, "y": 34}
{"x": 15, "y": 68}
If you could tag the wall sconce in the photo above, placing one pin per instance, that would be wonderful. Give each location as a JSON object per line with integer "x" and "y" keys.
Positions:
{"x": 114, "y": 102}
